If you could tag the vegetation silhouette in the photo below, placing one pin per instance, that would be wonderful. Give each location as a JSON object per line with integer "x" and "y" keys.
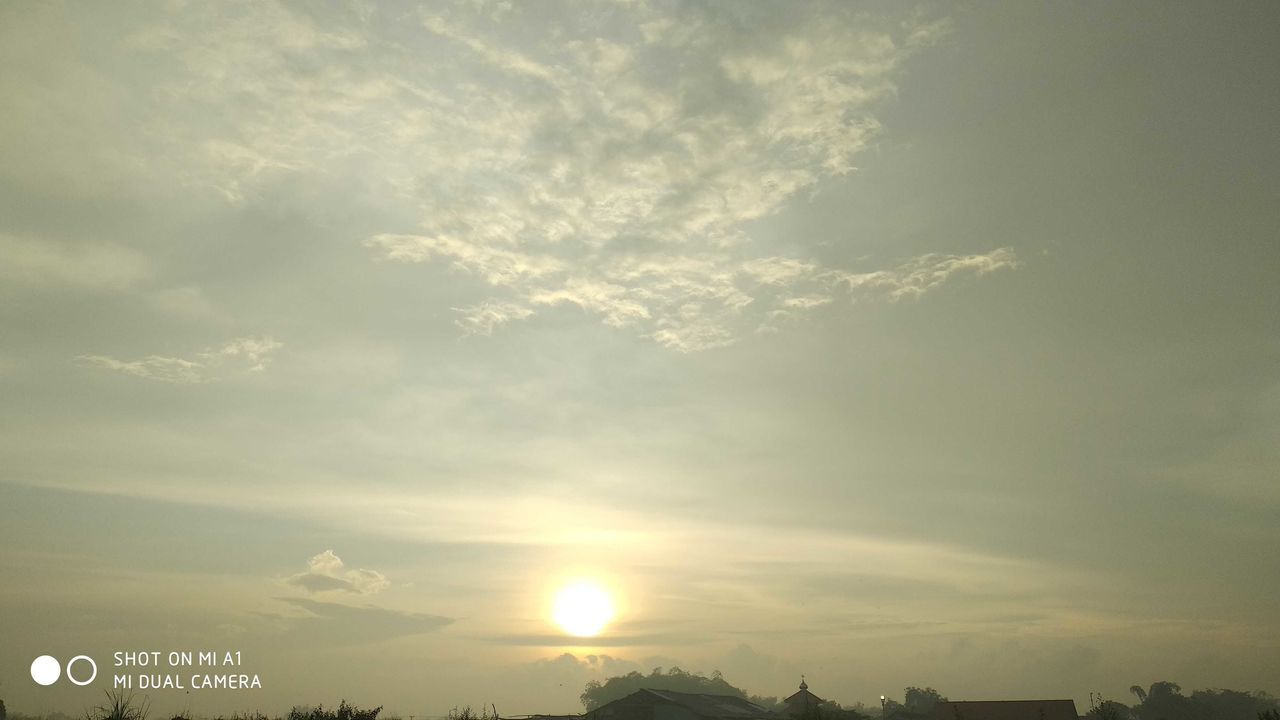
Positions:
{"x": 1164, "y": 701}
{"x": 596, "y": 693}
{"x": 342, "y": 712}
{"x": 467, "y": 713}
{"x": 1161, "y": 700}
{"x": 832, "y": 710}
{"x": 120, "y": 705}
{"x": 916, "y": 702}
{"x": 1103, "y": 709}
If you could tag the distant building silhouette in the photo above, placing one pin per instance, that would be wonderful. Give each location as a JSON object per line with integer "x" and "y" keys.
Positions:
{"x": 1005, "y": 710}
{"x": 802, "y": 703}
{"x": 667, "y": 705}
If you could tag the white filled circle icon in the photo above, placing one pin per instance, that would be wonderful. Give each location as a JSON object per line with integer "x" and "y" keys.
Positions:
{"x": 45, "y": 670}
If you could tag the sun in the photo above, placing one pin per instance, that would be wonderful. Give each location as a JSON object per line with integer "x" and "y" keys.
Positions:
{"x": 583, "y": 608}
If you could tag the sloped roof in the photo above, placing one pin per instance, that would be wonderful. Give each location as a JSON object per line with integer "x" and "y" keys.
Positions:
{"x": 1005, "y": 710}
{"x": 804, "y": 696}
{"x": 712, "y": 706}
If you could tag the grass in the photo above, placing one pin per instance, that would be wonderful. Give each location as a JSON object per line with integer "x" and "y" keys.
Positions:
{"x": 342, "y": 712}
{"x": 120, "y": 705}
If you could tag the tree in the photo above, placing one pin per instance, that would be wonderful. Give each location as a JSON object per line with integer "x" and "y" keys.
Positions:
{"x": 3, "y": 713}
{"x": 1230, "y": 704}
{"x": 1100, "y": 709}
{"x": 916, "y": 702}
{"x": 832, "y": 710}
{"x": 891, "y": 708}
{"x": 920, "y": 701}
{"x": 596, "y": 693}
{"x": 1164, "y": 701}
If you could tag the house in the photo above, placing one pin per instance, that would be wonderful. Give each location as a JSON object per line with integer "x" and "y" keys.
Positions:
{"x": 1005, "y": 710}
{"x": 802, "y": 703}
{"x": 667, "y": 705}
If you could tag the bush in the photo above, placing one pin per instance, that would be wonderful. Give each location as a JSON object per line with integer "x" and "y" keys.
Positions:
{"x": 467, "y": 713}
{"x": 344, "y": 712}
{"x": 120, "y": 706}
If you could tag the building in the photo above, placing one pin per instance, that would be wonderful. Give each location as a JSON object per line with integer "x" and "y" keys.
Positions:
{"x": 802, "y": 703}
{"x": 1005, "y": 710}
{"x": 666, "y": 705}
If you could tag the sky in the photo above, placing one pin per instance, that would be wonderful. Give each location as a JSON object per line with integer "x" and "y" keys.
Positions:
{"x": 889, "y": 343}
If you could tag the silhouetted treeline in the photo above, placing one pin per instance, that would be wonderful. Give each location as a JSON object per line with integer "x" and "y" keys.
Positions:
{"x": 1165, "y": 701}
{"x": 916, "y": 702}
{"x": 1161, "y": 701}
{"x": 676, "y": 680}
{"x": 832, "y": 710}
{"x": 342, "y": 712}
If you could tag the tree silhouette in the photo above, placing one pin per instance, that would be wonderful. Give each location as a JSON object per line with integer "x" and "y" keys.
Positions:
{"x": 1164, "y": 701}
{"x": 920, "y": 701}
{"x": 1100, "y": 709}
{"x": 596, "y": 693}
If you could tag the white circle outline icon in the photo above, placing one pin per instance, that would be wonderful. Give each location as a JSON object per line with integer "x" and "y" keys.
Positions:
{"x": 92, "y": 677}
{"x": 46, "y": 670}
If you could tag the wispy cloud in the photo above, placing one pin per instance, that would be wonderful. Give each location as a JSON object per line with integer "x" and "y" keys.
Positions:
{"x": 152, "y": 367}
{"x": 624, "y": 193}
{"x": 245, "y": 354}
{"x": 611, "y": 169}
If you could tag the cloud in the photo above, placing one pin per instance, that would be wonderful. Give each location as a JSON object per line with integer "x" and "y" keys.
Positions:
{"x": 607, "y": 640}
{"x": 327, "y": 573}
{"x": 245, "y": 354}
{"x": 325, "y": 623}
{"x": 626, "y": 194}
{"x": 84, "y": 265}
{"x": 614, "y": 161}
{"x": 749, "y": 668}
{"x": 483, "y": 318}
{"x": 914, "y": 278}
{"x": 557, "y": 681}
{"x": 152, "y": 367}
{"x": 254, "y": 352}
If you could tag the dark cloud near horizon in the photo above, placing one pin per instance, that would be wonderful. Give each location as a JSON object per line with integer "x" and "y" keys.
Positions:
{"x": 328, "y": 623}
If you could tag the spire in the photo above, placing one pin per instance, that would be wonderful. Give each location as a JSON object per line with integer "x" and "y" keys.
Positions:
{"x": 803, "y": 684}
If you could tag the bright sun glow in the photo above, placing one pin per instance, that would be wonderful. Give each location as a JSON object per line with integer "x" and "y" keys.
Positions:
{"x": 583, "y": 609}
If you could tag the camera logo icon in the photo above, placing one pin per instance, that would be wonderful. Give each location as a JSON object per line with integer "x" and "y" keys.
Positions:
{"x": 46, "y": 670}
